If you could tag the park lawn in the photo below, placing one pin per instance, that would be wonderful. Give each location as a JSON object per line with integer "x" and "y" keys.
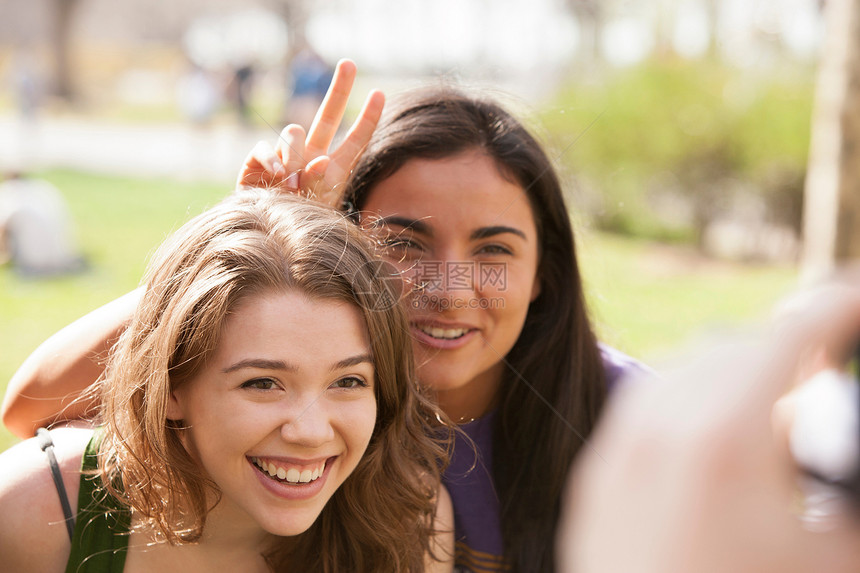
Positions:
{"x": 646, "y": 298}
{"x": 650, "y": 299}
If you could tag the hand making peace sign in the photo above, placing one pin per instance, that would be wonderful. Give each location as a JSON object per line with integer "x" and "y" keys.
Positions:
{"x": 301, "y": 162}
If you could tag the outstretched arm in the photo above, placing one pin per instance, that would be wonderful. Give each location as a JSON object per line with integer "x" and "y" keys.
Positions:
{"x": 686, "y": 474}
{"x": 46, "y": 387}
{"x": 302, "y": 162}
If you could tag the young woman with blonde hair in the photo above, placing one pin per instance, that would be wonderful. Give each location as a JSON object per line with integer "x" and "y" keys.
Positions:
{"x": 259, "y": 413}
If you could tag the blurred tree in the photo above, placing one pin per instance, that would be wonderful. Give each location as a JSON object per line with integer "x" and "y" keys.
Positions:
{"x": 675, "y": 144}
{"x": 832, "y": 200}
{"x": 63, "y": 14}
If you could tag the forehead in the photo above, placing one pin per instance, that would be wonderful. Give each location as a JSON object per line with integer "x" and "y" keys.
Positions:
{"x": 293, "y": 326}
{"x": 468, "y": 188}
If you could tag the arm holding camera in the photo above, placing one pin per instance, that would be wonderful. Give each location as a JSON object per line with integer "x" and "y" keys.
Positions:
{"x": 687, "y": 474}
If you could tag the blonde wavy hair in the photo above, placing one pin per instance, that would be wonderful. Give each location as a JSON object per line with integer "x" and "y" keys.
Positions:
{"x": 256, "y": 241}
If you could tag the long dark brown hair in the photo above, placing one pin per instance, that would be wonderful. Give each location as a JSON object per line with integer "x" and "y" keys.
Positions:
{"x": 381, "y": 518}
{"x": 554, "y": 384}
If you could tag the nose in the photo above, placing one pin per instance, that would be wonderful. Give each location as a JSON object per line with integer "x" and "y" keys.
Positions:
{"x": 446, "y": 283}
{"x": 308, "y": 422}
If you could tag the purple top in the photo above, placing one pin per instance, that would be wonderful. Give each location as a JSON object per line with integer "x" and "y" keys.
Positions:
{"x": 468, "y": 478}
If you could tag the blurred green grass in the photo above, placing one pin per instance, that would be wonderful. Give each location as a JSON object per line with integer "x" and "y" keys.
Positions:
{"x": 649, "y": 299}
{"x": 646, "y": 298}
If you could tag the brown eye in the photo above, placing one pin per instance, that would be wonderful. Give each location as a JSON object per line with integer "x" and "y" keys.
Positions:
{"x": 349, "y": 382}
{"x": 495, "y": 250}
{"x": 259, "y": 384}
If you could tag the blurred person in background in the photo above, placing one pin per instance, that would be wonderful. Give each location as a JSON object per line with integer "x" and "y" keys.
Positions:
{"x": 36, "y": 228}
{"x": 239, "y": 90}
{"x": 198, "y": 95}
{"x": 310, "y": 77}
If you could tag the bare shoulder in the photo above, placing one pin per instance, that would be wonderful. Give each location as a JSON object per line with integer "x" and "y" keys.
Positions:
{"x": 33, "y": 534}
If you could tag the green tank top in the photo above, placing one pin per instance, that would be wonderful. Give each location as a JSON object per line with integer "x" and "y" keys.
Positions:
{"x": 100, "y": 541}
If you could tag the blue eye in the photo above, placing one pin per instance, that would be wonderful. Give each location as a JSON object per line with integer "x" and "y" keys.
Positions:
{"x": 349, "y": 382}
{"x": 259, "y": 384}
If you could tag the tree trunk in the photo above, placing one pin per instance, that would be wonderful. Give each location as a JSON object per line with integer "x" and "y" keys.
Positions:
{"x": 712, "y": 10}
{"x": 63, "y": 15}
{"x": 832, "y": 191}
{"x": 589, "y": 16}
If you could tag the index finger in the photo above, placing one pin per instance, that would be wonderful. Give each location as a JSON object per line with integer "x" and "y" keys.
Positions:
{"x": 330, "y": 113}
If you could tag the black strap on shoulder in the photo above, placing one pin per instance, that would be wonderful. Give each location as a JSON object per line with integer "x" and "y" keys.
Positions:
{"x": 47, "y": 446}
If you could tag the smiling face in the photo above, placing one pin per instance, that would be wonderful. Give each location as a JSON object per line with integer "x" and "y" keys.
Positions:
{"x": 466, "y": 233}
{"x": 283, "y": 411}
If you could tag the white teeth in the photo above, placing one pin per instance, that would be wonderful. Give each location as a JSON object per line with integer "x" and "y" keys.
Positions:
{"x": 444, "y": 333}
{"x": 291, "y": 475}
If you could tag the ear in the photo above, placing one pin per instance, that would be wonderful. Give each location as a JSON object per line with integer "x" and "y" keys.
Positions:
{"x": 175, "y": 411}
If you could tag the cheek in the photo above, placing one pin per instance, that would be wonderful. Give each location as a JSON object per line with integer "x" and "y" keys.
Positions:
{"x": 516, "y": 289}
{"x": 218, "y": 427}
{"x": 357, "y": 421}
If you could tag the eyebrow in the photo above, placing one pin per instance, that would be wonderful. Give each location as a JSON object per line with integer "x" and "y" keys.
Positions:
{"x": 261, "y": 363}
{"x": 420, "y": 226}
{"x": 265, "y": 364}
{"x": 353, "y": 361}
{"x": 416, "y": 225}
{"x": 485, "y": 232}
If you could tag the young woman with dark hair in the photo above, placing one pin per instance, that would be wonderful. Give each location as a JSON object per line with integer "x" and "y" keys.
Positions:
{"x": 455, "y": 180}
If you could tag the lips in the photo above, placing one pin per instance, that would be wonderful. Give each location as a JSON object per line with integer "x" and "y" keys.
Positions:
{"x": 442, "y": 333}
{"x": 291, "y": 486}
{"x": 291, "y": 473}
{"x": 443, "y": 336}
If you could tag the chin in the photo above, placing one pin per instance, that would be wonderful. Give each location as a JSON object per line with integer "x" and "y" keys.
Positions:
{"x": 290, "y": 529}
{"x": 442, "y": 382}
{"x": 291, "y": 525}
